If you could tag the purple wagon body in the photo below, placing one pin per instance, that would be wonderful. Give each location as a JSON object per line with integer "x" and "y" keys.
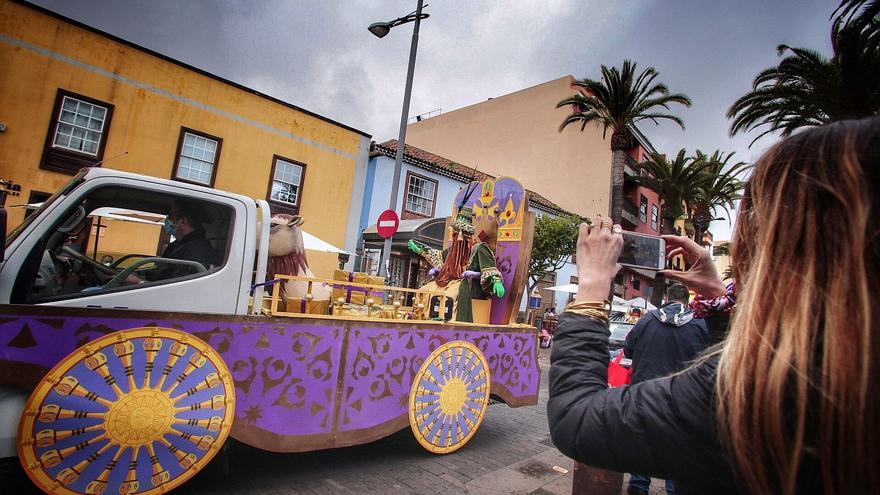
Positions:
{"x": 301, "y": 383}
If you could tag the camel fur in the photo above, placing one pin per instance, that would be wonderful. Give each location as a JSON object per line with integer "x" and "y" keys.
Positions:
{"x": 287, "y": 256}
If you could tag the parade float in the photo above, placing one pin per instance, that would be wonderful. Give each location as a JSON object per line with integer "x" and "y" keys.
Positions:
{"x": 134, "y": 387}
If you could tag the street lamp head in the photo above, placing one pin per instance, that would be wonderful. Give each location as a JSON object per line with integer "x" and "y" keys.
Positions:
{"x": 380, "y": 29}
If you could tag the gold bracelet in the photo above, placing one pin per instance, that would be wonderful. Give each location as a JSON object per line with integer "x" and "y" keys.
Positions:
{"x": 600, "y": 305}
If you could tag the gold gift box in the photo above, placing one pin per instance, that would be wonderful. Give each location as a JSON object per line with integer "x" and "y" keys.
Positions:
{"x": 353, "y": 294}
{"x": 385, "y": 311}
{"x": 313, "y": 307}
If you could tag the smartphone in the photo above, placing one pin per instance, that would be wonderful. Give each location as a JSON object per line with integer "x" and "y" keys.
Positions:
{"x": 646, "y": 252}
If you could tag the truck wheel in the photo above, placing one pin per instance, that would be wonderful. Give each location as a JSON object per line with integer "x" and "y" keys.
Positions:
{"x": 139, "y": 410}
{"x": 449, "y": 397}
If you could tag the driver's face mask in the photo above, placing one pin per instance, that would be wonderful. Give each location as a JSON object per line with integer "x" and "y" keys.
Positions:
{"x": 168, "y": 226}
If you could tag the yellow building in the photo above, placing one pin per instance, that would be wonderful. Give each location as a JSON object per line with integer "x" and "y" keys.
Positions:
{"x": 72, "y": 96}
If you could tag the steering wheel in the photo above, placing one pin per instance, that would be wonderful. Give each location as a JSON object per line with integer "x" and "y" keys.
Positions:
{"x": 121, "y": 276}
{"x": 119, "y": 261}
{"x": 88, "y": 262}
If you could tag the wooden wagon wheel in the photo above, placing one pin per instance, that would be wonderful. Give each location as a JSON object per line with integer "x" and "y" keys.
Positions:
{"x": 136, "y": 411}
{"x": 449, "y": 397}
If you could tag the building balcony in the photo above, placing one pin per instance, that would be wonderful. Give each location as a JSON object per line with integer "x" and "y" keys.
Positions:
{"x": 630, "y": 214}
{"x": 630, "y": 168}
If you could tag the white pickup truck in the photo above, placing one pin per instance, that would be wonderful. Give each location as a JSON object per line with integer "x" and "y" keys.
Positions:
{"x": 42, "y": 267}
{"x": 123, "y": 369}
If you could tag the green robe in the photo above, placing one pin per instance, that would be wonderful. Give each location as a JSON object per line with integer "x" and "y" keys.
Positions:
{"x": 483, "y": 261}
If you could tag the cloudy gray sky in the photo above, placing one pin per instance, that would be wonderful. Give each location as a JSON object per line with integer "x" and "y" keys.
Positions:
{"x": 319, "y": 55}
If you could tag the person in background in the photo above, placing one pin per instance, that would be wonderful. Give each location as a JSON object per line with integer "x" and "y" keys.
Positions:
{"x": 790, "y": 401}
{"x": 548, "y": 327}
{"x": 665, "y": 341}
{"x": 106, "y": 260}
{"x": 634, "y": 315}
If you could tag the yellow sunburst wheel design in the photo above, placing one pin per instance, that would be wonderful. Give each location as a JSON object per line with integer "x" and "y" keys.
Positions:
{"x": 137, "y": 411}
{"x": 449, "y": 397}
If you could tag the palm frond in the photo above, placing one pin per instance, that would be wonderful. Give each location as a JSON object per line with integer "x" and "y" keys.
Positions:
{"x": 807, "y": 88}
{"x": 620, "y": 98}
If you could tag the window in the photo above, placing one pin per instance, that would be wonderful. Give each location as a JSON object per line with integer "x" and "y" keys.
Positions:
{"x": 655, "y": 214}
{"x": 77, "y": 133}
{"x": 636, "y": 283}
{"x": 197, "y": 156}
{"x": 110, "y": 241}
{"x": 421, "y": 193}
{"x": 285, "y": 189}
{"x": 643, "y": 209}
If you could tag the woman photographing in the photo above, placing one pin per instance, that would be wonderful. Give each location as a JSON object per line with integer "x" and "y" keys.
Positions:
{"x": 788, "y": 403}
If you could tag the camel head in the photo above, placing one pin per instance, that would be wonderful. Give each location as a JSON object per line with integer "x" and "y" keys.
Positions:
{"x": 285, "y": 236}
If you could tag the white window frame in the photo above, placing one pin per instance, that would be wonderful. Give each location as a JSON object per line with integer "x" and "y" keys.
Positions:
{"x": 418, "y": 197}
{"x": 297, "y": 192}
{"x": 655, "y": 216}
{"x": 199, "y": 146}
{"x": 79, "y": 120}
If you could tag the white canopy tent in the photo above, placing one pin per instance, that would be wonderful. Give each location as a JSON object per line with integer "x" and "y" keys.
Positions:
{"x": 569, "y": 288}
{"x": 640, "y": 302}
{"x": 312, "y": 243}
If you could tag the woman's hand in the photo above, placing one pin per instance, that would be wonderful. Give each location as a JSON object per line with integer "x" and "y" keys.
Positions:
{"x": 598, "y": 248}
{"x": 701, "y": 277}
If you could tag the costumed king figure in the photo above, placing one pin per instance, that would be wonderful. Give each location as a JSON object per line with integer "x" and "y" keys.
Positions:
{"x": 466, "y": 266}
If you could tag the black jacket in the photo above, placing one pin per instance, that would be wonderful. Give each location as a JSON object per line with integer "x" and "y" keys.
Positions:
{"x": 192, "y": 247}
{"x": 665, "y": 341}
{"x": 663, "y": 428}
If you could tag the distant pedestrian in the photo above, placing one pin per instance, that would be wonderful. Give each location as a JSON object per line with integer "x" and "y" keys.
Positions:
{"x": 634, "y": 315}
{"x": 666, "y": 340}
{"x": 548, "y": 327}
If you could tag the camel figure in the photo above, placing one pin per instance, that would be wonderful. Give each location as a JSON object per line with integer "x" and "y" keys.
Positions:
{"x": 287, "y": 256}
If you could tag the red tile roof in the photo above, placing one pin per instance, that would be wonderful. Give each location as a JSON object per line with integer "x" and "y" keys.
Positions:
{"x": 444, "y": 166}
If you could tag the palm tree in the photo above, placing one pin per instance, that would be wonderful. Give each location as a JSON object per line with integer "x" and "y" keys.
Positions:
{"x": 808, "y": 89}
{"x": 676, "y": 182}
{"x": 618, "y": 101}
{"x": 720, "y": 188}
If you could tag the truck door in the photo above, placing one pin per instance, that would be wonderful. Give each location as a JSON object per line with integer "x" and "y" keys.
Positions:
{"x": 148, "y": 246}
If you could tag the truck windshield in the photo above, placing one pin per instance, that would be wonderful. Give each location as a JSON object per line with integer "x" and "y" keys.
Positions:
{"x": 33, "y": 216}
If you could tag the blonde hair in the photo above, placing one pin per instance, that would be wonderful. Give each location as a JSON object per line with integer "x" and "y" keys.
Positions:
{"x": 797, "y": 384}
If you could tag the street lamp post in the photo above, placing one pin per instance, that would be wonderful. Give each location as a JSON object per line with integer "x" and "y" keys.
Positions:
{"x": 380, "y": 29}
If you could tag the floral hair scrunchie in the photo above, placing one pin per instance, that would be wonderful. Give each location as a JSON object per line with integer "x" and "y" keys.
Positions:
{"x": 704, "y": 307}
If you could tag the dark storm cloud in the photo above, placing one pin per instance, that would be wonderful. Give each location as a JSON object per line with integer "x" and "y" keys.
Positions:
{"x": 319, "y": 55}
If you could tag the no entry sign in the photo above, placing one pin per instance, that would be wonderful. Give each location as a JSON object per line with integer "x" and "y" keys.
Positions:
{"x": 387, "y": 224}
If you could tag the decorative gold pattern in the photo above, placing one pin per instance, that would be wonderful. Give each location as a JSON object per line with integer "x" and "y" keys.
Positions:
{"x": 140, "y": 417}
{"x": 449, "y": 397}
{"x": 175, "y": 421}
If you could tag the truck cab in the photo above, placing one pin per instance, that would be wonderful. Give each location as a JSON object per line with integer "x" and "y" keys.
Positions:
{"x": 103, "y": 241}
